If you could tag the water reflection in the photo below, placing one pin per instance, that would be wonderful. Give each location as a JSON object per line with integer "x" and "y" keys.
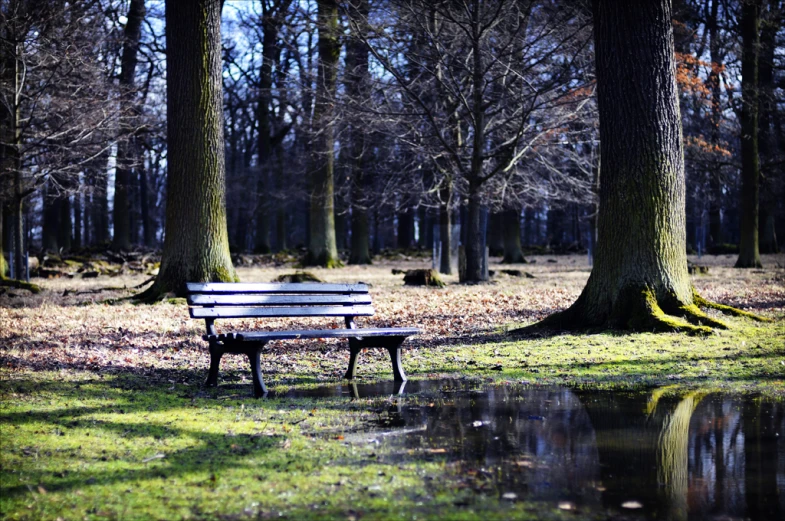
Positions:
{"x": 661, "y": 454}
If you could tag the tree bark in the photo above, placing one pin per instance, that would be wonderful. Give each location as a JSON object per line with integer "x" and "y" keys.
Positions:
{"x": 715, "y": 186}
{"x": 495, "y": 234}
{"x": 511, "y": 229}
{"x": 358, "y": 80}
{"x": 767, "y": 107}
{"x": 3, "y": 263}
{"x": 270, "y": 26}
{"x": 749, "y": 254}
{"x": 640, "y": 263}
{"x": 100, "y": 205}
{"x": 405, "y": 229}
{"x": 322, "y": 249}
{"x": 77, "y": 233}
{"x": 50, "y": 231}
{"x": 445, "y": 226}
{"x": 196, "y": 243}
{"x": 122, "y": 201}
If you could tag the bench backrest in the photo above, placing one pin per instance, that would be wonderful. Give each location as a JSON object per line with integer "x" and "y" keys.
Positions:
{"x": 213, "y": 300}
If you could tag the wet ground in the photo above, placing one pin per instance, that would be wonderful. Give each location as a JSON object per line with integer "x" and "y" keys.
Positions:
{"x": 659, "y": 454}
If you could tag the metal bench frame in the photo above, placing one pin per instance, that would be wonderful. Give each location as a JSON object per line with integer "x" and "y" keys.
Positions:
{"x": 211, "y": 301}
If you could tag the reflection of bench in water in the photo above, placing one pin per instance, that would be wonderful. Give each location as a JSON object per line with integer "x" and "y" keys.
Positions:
{"x": 212, "y": 301}
{"x": 370, "y": 390}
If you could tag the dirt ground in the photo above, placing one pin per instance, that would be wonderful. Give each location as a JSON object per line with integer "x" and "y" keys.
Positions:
{"x": 70, "y": 325}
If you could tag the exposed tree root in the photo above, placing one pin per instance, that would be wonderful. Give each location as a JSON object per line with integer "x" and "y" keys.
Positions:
{"x": 639, "y": 310}
{"x": 727, "y": 310}
{"x": 643, "y": 312}
{"x": 20, "y": 284}
{"x": 151, "y": 295}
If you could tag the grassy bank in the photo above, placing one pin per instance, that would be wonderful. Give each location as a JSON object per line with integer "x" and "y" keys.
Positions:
{"x": 103, "y": 414}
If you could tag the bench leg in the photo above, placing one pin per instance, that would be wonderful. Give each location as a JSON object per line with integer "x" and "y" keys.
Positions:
{"x": 216, "y": 352}
{"x": 395, "y": 357}
{"x": 259, "y": 389}
{"x": 354, "y": 350}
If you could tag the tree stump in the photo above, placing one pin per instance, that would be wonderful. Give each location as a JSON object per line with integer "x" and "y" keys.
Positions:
{"x": 423, "y": 277}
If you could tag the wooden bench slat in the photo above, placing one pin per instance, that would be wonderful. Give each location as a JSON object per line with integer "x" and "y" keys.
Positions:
{"x": 276, "y": 300}
{"x": 272, "y": 287}
{"x": 255, "y": 336}
{"x": 249, "y": 312}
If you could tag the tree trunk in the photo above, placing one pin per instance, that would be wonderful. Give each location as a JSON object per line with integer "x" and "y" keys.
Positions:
{"x": 3, "y": 263}
{"x": 196, "y": 243}
{"x": 511, "y": 220}
{"x": 322, "y": 249}
{"x": 100, "y": 205}
{"x": 640, "y": 263}
{"x": 749, "y": 255}
{"x": 715, "y": 186}
{"x": 495, "y": 234}
{"x": 125, "y": 148}
{"x": 19, "y": 231}
{"x": 270, "y": 26}
{"x": 445, "y": 227}
{"x": 77, "y": 235}
{"x": 148, "y": 230}
{"x": 50, "y": 229}
{"x": 358, "y": 81}
{"x": 64, "y": 223}
{"x": 405, "y": 229}
{"x": 767, "y": 107}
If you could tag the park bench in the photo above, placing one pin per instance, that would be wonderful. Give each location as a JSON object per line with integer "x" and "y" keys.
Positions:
{"x": 211, "y": 301}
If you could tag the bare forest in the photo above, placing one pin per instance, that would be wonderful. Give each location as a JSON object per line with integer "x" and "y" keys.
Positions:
{"x": 355, "y": 127}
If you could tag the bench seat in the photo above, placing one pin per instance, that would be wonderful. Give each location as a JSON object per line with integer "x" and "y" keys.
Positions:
{"x": 213, "y": 301}
{"x": 255, "y": 336}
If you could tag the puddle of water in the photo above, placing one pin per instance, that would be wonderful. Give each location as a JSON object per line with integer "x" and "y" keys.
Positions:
{"x": 647, "y": 455}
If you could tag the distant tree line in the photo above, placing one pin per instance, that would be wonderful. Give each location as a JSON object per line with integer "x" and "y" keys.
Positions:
{"x": 358, "y": 125}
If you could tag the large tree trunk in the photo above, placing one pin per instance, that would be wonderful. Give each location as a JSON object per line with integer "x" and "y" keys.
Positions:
{"x": 270, "y": 25}
{"x": 767, "y": 108}
{"x": 196, "y": 244}
{"x": 322, "y": 250}
{"x": 749, "y": 255}
{"x": 640, "y": 262}
{"x": 511, "y": 221}
{"x": 358, "y": 81}
{"x": 715, "y": 186}
{"x": 125, "y": 149}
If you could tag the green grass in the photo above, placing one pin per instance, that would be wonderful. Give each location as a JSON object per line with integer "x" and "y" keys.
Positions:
{"x": 151, "y": 444}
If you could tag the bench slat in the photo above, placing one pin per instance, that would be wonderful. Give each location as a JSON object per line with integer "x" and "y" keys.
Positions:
{"x": 312, "y": 311}
{"x": 271, "y": 287}
{"x": 277, "y": 300}
{"x": 316, "y": 333}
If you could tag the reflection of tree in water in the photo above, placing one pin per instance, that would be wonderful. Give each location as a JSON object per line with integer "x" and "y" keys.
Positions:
{"x": 764, "y": 459}
{"x": 536, "y": 443}
{"x": 682, "y": 455}
{"x": 688, "y": 456}
{"x": 642, "y": 443}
